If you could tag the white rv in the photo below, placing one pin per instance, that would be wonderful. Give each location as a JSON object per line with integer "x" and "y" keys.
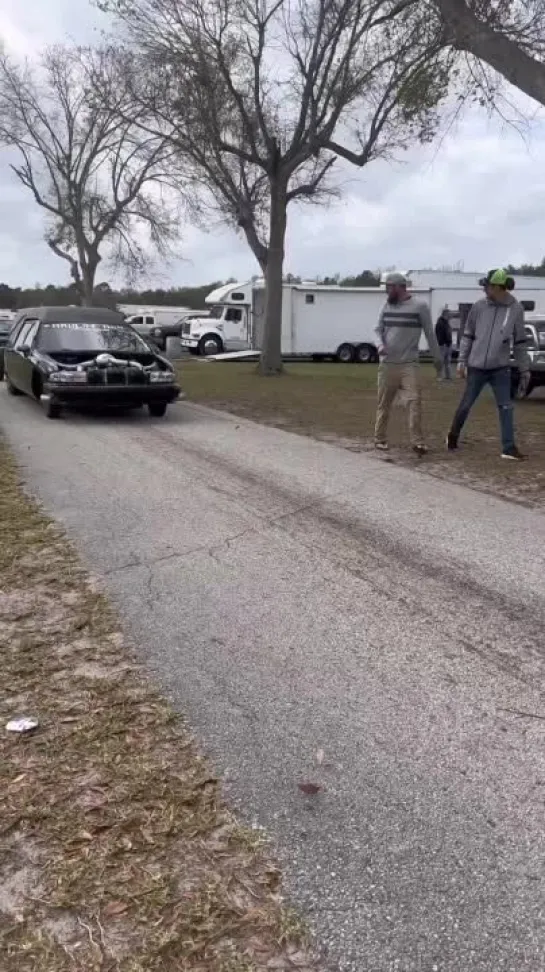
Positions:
{"x": 317, "y": 321}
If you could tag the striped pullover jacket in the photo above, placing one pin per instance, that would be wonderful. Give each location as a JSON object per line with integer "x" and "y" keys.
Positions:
{"x": 400, "y": 328}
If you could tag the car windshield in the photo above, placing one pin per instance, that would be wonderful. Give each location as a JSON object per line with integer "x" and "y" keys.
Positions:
{"x": 216, "y": 311}
{"x": 94, "y": 337}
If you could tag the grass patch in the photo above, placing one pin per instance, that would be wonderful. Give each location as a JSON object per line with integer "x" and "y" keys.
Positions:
{"x": 337, "y": 403}
{"x": 116, "y": 850}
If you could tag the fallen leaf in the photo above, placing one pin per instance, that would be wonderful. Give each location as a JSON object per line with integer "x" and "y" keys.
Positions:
{"x": 310, "y": 789}
{"x": 320, "y": 757}
{"x": 18, "y": 779}
{"x": 114, "y": 908}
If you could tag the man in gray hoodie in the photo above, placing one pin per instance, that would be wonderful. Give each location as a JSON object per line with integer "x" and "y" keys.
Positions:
{"x": 400, "y": 326}
{"x": 494, "y": 326}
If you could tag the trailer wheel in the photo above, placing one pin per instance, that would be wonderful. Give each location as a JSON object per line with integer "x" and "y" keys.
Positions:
{"x": 366, "y": 354}
{"x": 345, "y": 353}
{"x": 210, "y": 344}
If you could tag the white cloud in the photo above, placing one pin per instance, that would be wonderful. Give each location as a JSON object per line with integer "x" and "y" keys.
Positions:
{"x": 478, "y": 197}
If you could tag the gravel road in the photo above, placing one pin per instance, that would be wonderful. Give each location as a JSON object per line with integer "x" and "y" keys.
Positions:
{"x": 324, "y": 617}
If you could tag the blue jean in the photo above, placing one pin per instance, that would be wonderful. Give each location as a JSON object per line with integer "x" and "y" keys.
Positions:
{"x": 499, "y": 380}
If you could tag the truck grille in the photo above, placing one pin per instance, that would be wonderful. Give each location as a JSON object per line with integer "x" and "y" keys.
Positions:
{"x": 186, "y": 327}
{"x": 116, "y": 376}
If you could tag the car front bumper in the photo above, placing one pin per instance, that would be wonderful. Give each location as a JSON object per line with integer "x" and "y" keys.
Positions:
{"x": 189, "y": 342}
{"x": 115, "y": 396}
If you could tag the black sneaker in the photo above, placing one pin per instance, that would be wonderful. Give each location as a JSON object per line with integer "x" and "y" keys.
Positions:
{"x": 420, "y": 450}
{"x": 513, "y": 453}
{"x": 451, "y": 442}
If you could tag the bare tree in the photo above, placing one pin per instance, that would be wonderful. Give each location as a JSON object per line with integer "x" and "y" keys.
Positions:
{"x": 99, "y": 182}
{"x": 261, "y": 97}
{"x": 508, "y": 35}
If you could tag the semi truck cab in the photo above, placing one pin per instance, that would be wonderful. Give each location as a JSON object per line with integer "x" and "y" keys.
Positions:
{"x": 228, "y": 326}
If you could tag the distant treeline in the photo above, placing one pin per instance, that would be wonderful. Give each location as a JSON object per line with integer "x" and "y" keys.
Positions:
{"x": 528, "y": 270}
{"x": 12, "y": 298}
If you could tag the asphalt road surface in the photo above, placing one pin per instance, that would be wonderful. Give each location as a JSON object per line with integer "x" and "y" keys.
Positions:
{"x": 326, "y": 618}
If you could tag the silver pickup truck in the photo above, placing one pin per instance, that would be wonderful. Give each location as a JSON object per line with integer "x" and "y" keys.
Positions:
{"x": 535, "y": 334}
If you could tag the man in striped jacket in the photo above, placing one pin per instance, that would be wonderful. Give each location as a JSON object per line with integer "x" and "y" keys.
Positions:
{"x": 400, "y": 326}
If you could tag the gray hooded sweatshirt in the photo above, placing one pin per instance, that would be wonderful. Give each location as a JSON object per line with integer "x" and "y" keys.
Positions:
{"x": 490, "y": 331}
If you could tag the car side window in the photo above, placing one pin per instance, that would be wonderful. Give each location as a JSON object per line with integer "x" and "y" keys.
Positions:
{"x": 31, "y": 333}
{"x": 15, "y": 331}
{"x": 233, "y": 314}
{"x": 149, "y": 321}
{"x": 137, "y": 320}
{"x": 21, "y": 338}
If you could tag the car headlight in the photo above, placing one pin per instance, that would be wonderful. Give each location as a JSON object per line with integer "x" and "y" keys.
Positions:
{"x": 68, "y": 378}
{"x": 161, "y": 376}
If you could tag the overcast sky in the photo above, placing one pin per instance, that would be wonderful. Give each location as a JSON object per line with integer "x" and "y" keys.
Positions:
{"x": 478, "y": 198}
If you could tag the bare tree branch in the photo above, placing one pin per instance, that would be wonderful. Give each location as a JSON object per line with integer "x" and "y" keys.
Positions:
{"x": 87, "y": 167}
{"x": 257, "y": 98}
{"x": 509, "y": 37}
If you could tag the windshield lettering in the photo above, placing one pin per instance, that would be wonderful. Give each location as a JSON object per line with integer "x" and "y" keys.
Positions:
{"x": 89, "y": 337}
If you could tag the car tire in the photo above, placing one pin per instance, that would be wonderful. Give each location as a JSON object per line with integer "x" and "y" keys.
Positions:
{"x": 53, "y": 408}
{"x": 157, "y": 409}
{"x": 366, "y": 354}
{"x": 345, "y": 353}
{"x": 210, "y": 344}
{"x": 12, "y": 390}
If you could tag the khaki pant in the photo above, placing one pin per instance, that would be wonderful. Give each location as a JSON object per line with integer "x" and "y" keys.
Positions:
{"x": 394, "y": 378}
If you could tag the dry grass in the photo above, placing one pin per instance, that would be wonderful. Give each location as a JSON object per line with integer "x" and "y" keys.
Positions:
{"x": 337, "y": 403}
{"x": 116, "y": 852}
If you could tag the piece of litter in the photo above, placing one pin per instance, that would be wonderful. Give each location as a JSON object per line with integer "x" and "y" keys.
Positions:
{"x": 310, "y": 789}
{"x": 320, "y": 757}
{"x": 23, "y": 724}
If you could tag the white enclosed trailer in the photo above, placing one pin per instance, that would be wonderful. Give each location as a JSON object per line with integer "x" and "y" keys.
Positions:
{"x": 317, "y": 321}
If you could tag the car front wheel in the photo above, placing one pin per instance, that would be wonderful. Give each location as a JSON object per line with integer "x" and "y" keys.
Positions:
{"x": 53, "y": 408}
{"x": 11, "y": 388}
{"x": 157, "y": 409}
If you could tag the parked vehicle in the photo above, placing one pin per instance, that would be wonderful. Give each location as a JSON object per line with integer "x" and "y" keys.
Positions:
{"x": 6, "y": 322}
{"x": 535, "y": 333}
{"x": 317, "y": 321}
{"x": 156, "y": 323}
{"x": 85, "y": 356}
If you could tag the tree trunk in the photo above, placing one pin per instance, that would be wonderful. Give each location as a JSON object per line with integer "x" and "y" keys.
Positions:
{"x": 271, "y": 352}
{"x": 88, "y": 273}
{"x": 500, "y": 52}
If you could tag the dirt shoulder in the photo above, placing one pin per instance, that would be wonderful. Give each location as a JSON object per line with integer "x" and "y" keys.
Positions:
{"x": 337, "y": 403}
{"x": 116, "y": 850}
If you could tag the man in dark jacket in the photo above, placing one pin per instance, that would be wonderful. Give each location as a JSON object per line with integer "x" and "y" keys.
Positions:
{"x": 494, "y": 325}
{"x": 443, "y": 333}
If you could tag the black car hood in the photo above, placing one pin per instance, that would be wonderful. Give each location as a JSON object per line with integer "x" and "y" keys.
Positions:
{"x": 58, "y": 359}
